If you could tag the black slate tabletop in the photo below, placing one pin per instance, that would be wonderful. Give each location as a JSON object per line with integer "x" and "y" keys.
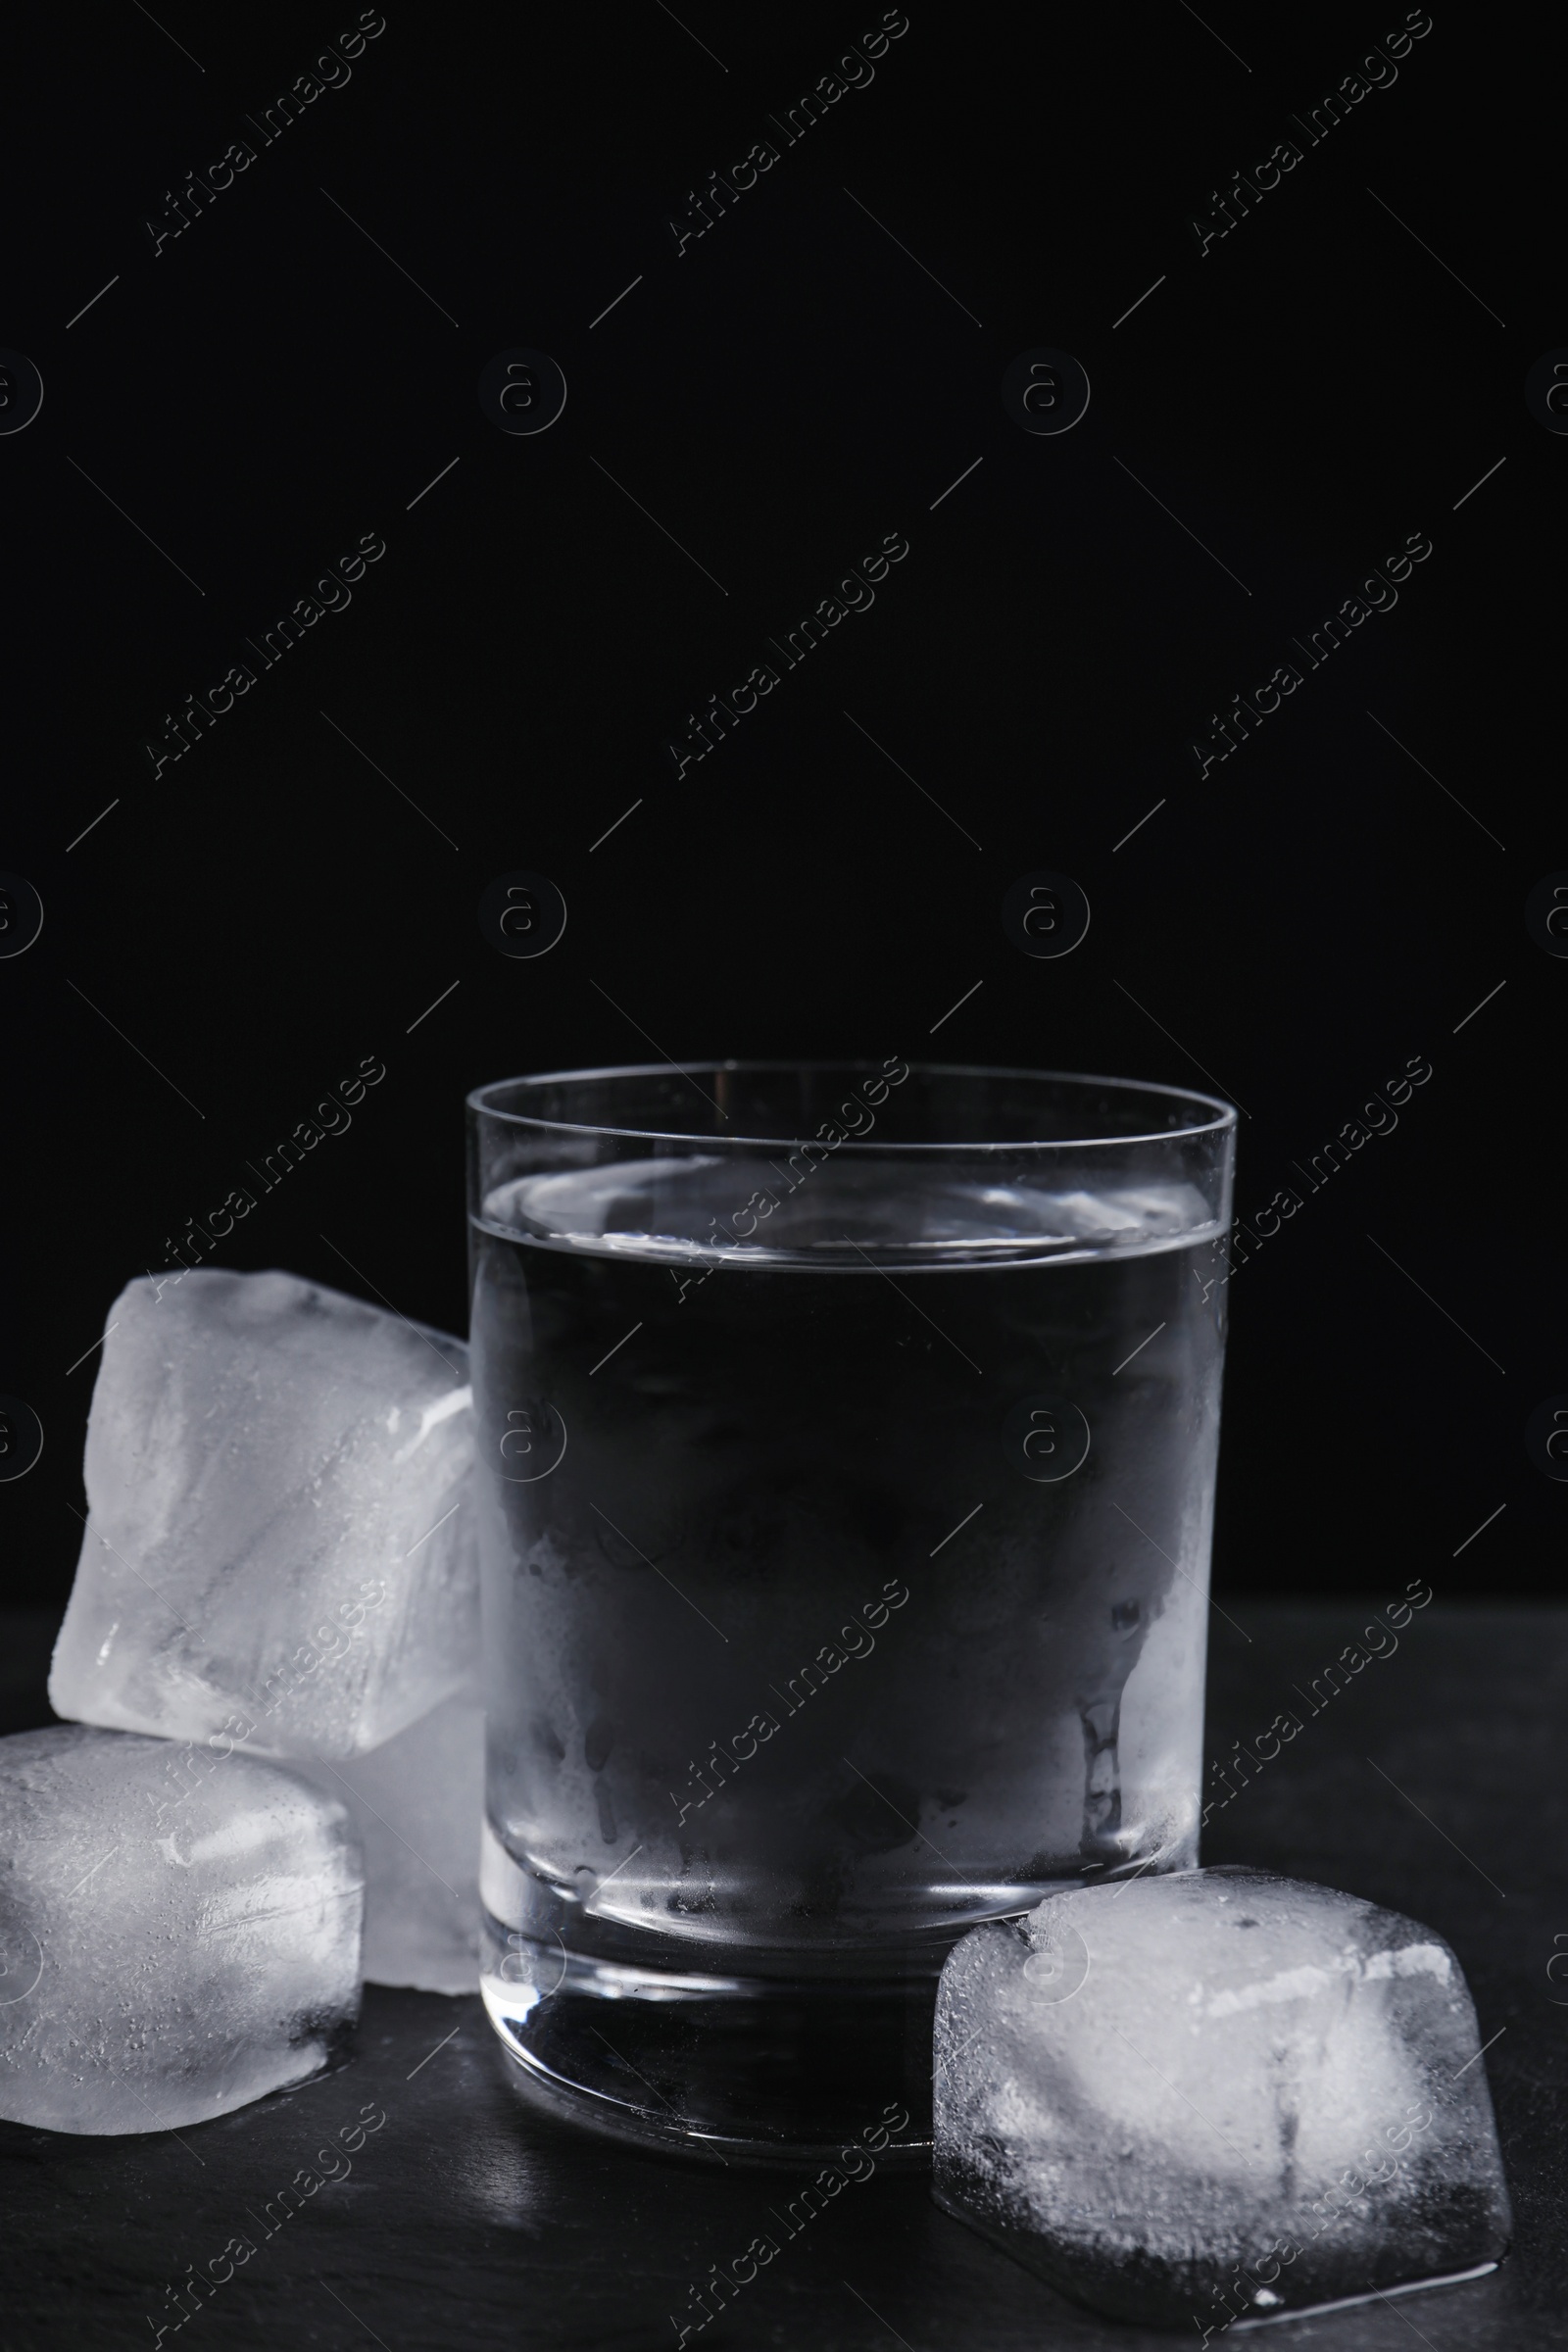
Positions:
{"x": 1433, "y": 1783}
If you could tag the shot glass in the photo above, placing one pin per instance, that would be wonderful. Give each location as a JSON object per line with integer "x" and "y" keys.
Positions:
{"x": 846, "y": 1452}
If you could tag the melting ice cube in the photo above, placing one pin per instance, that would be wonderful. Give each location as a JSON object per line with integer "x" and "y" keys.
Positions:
{"x": 179, "y": 1929}
{"x": 279, "y": 1544}
{"x": 1215, "y": 2095}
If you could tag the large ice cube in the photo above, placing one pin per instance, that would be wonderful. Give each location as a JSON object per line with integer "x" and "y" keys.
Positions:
{"x": 180, "y": 1929}
{"x": 418, "y": 1804}
{"x": 1217, "y": 2094}
{"x": 278, "y": 1543}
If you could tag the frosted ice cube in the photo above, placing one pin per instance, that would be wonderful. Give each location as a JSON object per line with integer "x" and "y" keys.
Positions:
{"x": 417, "y": 1805}
{"x": 1216, "y": 2095}
{"x": 278, "y": 1543}
{"x": 179, "y": 1929}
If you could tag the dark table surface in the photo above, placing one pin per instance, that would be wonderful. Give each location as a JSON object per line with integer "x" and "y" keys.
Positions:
{"x": 1434, "y": 1784}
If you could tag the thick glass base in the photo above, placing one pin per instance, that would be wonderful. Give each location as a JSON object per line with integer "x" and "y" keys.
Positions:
{"x": 738, "y": 2069}
{"x": 712, "y": 2047}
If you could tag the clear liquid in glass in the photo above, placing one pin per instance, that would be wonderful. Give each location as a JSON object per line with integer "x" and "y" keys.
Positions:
{"x": 802, "y": 1646}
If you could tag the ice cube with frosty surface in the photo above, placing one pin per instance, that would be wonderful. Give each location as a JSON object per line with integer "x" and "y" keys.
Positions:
{"x": 279, "y": 1531}
{"x": 417, "y": 1805}
{"x": 179, "y": 1929}
{"x": 1214, "y": 2095}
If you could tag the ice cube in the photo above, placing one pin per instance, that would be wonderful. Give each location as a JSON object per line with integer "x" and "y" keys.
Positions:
{"x": 179, "y": 1929}
{"x": 417, "y": 1805}
{"x": 1215, "y": 2095}
{"x": 278, "y": 1543}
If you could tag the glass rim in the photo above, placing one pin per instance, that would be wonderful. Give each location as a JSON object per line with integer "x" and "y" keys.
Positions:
{"x": 1222, "y": 1118}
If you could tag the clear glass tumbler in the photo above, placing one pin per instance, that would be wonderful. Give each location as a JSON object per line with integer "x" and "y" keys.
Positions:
{"x": 847, "y": 1450}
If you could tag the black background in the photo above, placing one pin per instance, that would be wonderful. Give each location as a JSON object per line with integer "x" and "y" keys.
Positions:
{"x": 237, "y": 932}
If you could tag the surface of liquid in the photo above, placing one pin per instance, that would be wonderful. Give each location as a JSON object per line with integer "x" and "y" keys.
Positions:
{"x": 769, "y": 1210}
{"x": 797, "y": 1637}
